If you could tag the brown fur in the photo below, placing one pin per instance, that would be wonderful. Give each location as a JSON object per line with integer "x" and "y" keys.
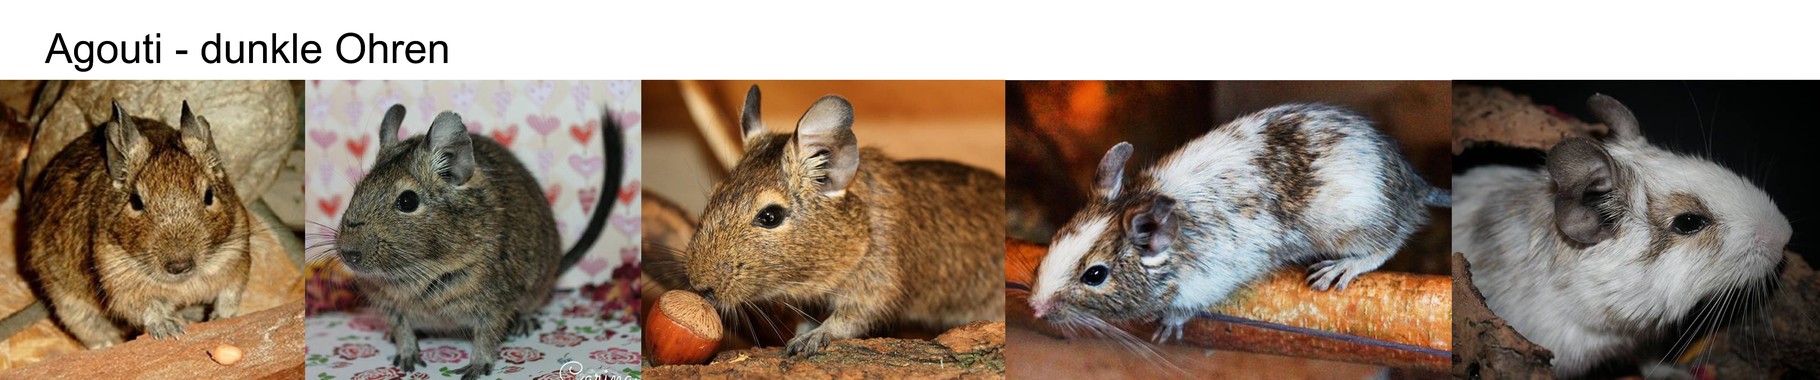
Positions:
{"x": 479, "y": 252}
{"x": 1116, "y": 251}
{"x": 918, "y": 242}
{"x": 476, "y": 258}
{"x": 98, "y": 261}
{"x": 1289, "y": 165}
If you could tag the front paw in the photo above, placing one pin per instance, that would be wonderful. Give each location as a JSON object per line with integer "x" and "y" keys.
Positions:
{"x": 165, "y": 327}
{"x": 1169, "y": 327}
{"x": 408, "y": 361}
{"x": 808, "y": 344}
{"x": 474, "y": 371}
{"x": 1167, "y": 332}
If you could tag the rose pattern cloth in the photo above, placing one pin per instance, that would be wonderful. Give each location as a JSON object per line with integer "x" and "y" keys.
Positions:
{"x": 580, "y": 335}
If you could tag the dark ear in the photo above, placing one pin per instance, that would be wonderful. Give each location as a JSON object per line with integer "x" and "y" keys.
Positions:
{"x": 451, "y": 148}
{"x": 1585, "y": 178}
{"x": 1112, "y": 171}
{"x": 1623, "y": 124}
{"x": 750, "y": 125}
{"x": 825, "y": 142}
{"x": 126, "y": 148}
{"x": 1152, "y": 229}
{"x": 388, "y": 127}
{"x": 198, "y": 140}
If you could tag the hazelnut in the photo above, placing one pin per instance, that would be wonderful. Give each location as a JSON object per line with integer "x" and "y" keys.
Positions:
{"x": 682, "y": 329}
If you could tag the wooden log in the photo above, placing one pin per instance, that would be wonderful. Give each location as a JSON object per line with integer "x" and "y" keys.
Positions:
{"x": 272, "y": 342}
{"x": 1393, "y": 319}
{"x": 972, "y": 351}
{"x": 1497, "y": 116}
{"x": 1488, "y": 345}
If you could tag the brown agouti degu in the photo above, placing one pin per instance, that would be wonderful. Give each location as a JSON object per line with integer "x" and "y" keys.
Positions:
{"x": 449, "y": 233}
{"x": 812, "y": 217}
{"x": 134, "y": 221}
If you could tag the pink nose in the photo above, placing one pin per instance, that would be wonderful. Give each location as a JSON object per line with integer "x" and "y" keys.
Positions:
{"x": 1042, "y": 308}
{"x": 1774, "y": 235}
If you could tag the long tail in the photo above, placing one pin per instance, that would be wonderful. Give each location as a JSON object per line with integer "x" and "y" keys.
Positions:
{"x": 1438, "y": 197}
{"x": 22, "y": 319}
{"x": 612, "y": 140}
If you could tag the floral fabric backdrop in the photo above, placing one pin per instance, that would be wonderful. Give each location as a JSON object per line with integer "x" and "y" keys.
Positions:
{"x": 577, "y": 341}
{"x": 553, "y": 127}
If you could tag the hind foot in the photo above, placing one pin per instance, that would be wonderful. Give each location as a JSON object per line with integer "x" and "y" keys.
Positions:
{"x": 475, "y": 370}
{"x": 1336, "y": 274}
{"x": 523, "y": 325}
{"x": 408, "y": 361}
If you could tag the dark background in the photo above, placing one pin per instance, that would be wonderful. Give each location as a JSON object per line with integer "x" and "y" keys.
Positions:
{"x": 1765, "y": 131}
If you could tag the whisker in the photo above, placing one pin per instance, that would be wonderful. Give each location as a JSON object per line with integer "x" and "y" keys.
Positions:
{"x": 765, "y": 318}
{"x": 1075, "y": 324}
{"x": 818, "y": 322}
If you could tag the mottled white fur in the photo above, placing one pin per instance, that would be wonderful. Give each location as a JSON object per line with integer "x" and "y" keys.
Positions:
{"x": 1221, "y": 245}
{"x": 1217, "y": 262}
{"x": 1349, "y": 197}
{"x": 1595, "y": 303}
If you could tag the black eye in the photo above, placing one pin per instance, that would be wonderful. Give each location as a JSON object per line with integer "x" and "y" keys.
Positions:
{"x": 407, "y": 201}
{"x": 208, "y": 196}
{"x": 1095, "y": 275}
{"x": 770, "y": 217}
{"x": 138, "y": 204}
{"x": 1689, "y": 223}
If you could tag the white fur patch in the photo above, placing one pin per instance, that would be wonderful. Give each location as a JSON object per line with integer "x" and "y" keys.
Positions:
{"x": 1202, "y": 175}
{"x": 1193, "y": 169}
{"x": 1155, "y": 260}
{"x": 1065, "y": 252}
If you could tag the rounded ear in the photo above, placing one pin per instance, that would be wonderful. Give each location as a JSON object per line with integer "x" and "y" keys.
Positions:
{"x": 451, "y": 148}
{"x": 1586, "y": 181}
{"x": 1153, "y": 230}
{"x": 750, "y": 125}
{"x": 1111, "y": 175}
{"x": 1623, "y": 124}
{"x": 388, "y": 127}
{"x": 826, "y": 145}
{"x": 126, "y": 148}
